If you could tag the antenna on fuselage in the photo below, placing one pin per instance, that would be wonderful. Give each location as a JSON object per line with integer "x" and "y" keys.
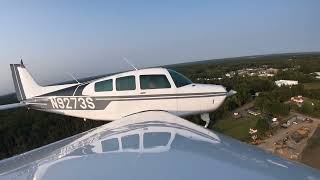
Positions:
{"x": 128, "y": 62}
{"x": 21, "y": 62}
{"x": 74, "y": 78}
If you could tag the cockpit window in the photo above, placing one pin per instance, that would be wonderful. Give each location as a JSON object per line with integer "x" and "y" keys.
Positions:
{"x": 154, "y": 82}
{"x": 179, "y": 79}
{"x": 126, "y": 83}
{"x": 155, "y": 139}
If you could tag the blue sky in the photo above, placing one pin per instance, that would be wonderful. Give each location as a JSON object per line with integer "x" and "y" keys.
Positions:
{"x": 91, "y": 37}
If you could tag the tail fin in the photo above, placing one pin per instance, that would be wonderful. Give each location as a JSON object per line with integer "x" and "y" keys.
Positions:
{"x": 26, "y": 87}
{"x": 24, "y": 84}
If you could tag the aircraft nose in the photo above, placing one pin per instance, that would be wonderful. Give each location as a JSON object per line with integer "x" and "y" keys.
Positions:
{"x": 220, "y": 88}
{"x": 231, "y": 93}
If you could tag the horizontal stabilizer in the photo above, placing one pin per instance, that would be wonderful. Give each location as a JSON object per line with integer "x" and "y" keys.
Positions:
{"x": 12, "y": 106}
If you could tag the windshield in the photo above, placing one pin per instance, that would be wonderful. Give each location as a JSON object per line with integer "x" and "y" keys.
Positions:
{"x": 179, "y": 79}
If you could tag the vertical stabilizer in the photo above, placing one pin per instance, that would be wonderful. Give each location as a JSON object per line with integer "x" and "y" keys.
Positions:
{"x": 26, "y": 87}
{"x": 17, "y": 81}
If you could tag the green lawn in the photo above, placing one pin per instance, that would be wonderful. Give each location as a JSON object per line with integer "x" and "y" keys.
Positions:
{"x": 314, "y": 85}
{"x": 236, "y": 128}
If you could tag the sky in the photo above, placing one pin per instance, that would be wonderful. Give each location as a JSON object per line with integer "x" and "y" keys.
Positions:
{"x": 85, "y": 38}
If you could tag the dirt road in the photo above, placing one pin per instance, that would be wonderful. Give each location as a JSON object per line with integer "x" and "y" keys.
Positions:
{"x": 295, "y": 148}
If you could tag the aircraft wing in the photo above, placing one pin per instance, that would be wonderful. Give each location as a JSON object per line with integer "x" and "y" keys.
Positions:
{"x": 151, "y": 145}
{"x": 12, "y": 106}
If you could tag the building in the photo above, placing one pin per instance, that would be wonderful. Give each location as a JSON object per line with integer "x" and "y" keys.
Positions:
{"x": 253, "y": 112}
{"x": 280, "y": 83}
{"x": 252, "y": 131}
{"x": 237, "y": 115}
{"x": 317, "y": 75}
{"x": 266, "y": 75}
{"x": 272, "y": 71}
{"x": 228, "y": 75}
{"x": 257, "y": 94}
{"x": 298, "y": 100}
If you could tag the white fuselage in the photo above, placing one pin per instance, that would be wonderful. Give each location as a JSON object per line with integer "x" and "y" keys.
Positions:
{"x": 91, "y": 101}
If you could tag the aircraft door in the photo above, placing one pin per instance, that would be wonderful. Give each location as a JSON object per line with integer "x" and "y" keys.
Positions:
{"x": 157, "y": 93}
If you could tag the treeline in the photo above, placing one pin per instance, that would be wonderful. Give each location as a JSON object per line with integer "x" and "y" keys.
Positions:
{"x": 305, "y": 62}
{"x": 295, "y": 75}
{"x": 273, "y": 102}
{"x": 22, "y": 130}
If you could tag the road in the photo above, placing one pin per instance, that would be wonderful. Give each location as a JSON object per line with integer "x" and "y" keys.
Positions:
{"x": 243, "y": 108}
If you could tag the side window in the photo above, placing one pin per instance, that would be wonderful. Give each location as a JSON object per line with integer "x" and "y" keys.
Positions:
{"x": 103, "y": 86}
{"x": 130, "y": 142}
{"x": 126, "y": 83}
{"x": 110, "y": 145}
{"x": 154, "y": 82}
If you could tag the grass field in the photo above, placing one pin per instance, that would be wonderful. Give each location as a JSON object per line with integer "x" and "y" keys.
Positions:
{"x": 314, "y": 85}
{"x": 236, "y": 128}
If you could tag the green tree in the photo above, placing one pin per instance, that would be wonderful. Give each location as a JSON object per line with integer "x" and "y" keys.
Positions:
{"x": 307, "y": 107}
{"x": 262, "y": 126}
{"x": 276, "y": 108}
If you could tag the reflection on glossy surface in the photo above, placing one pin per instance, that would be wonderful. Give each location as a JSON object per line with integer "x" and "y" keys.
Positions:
{"x": 155, "y": 145}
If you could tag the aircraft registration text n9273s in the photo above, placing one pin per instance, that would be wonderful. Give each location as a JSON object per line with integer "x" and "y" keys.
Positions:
{"x": 68, "y": 103}
{"x": 73, "y": 103}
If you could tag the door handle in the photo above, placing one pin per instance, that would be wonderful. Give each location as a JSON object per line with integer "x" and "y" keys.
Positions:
{"x": 142, "y": 92}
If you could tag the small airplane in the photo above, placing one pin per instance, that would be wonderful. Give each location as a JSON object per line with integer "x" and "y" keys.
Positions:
{"x": 119, "y": 95}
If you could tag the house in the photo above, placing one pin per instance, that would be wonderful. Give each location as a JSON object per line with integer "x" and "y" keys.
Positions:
{"x": 265, "y": 75}
{"x": 272, "y": 71}
{"x": 228, "y": 75}
{"x": 317, "y": 75}
{"x": 237, "y": 115}
{"x": 253, "y": 112}
{"x": 280, "y": 83}
{"x": 252, "y": 131}
{"x": 298, "y": 100}
{"x": 257, "y": 94}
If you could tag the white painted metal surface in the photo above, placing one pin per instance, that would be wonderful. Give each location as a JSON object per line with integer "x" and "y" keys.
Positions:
{"x": 84, "y": 101}
{"x": 152, "y": 145}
